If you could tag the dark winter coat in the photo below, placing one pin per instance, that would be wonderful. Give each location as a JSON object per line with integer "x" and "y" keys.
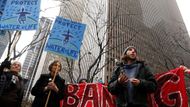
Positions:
{"x": 41, "y": 95}
{"x": 147, "y": 85}
{"x": 11, "y": 89}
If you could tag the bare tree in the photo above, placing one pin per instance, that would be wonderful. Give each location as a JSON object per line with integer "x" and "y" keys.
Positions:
{"x": 171, "y": 51}
{"x": 97, "y": 29}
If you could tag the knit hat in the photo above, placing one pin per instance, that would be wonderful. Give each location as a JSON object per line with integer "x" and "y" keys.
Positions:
{"x": 129, "y": 47}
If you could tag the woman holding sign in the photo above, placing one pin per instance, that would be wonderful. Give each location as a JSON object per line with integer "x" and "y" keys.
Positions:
{"x": 49, "y": 88}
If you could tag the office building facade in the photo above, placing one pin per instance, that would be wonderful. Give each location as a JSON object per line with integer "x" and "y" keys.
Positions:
{"x": 34, "y": 54}
{"x": 154, "y": 27}
{"x": 4, "y": 40}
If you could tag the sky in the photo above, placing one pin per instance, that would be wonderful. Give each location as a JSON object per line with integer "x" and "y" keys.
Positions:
{"x": 184, "y": 6}
{"x": 51, "y": 11}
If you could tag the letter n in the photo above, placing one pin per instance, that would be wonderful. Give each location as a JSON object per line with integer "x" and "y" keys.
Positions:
{"x": 108, "y": 99}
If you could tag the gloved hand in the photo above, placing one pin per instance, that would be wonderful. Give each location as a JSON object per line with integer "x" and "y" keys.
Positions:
{"x": 5, "y": 64}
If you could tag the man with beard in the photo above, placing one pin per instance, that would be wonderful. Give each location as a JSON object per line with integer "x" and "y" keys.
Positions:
{"x": 131, "y": 81}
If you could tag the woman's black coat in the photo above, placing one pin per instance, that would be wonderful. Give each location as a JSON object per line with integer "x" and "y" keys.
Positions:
{"x": 41, "y": 95}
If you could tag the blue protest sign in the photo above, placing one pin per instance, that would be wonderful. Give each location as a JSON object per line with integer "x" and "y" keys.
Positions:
{"x": 2, "y": 6}
{"x": 65, "y": 38}
{"x": 20, "y": 15}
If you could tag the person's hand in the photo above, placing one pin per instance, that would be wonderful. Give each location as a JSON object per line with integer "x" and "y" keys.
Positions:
{"x": 6, "y": 63}
{"x": 52, "y": 86}
{"x": 186, "y": 70}
{"x": 122, "y": 79}
{"x": 182, "y": 66}
{"x": 135, "y": 81}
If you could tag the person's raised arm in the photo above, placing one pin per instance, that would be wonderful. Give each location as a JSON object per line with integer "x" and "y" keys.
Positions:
{"x": 5, "y": 64}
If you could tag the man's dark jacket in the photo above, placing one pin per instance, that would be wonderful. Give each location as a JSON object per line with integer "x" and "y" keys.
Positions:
{"x": 147, "y": 85}
{"x": 11, "y": 87}
{"x": 41, "y": 95}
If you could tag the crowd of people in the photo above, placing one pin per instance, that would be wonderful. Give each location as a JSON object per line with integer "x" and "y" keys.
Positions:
{"x": 131, "y": 81}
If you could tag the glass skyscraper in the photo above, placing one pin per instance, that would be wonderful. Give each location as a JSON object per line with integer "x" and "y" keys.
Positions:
{"x": 154, "y": 27}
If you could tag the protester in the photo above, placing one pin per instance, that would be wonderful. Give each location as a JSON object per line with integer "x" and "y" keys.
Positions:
{"x": 46, "y": 85}
{"x": 83, "y": 80}
{"x": 11, "y": 84}
{"x": 131, "y": 81}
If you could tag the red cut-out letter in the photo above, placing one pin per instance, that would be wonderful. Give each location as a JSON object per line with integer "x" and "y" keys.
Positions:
{"x": 167, "y": 94}
{"x": 71, "y": 99}
{"x": 90, "y": 94}
{"x": 108, "y": 99}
